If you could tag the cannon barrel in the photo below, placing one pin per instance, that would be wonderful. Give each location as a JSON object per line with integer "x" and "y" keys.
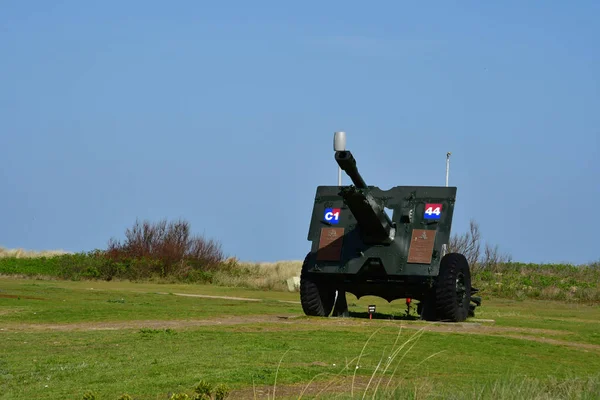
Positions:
{"x": 346, "y": 161}
{"x": 374, "y": 224}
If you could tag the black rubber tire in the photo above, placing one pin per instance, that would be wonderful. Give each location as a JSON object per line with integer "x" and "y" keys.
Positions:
{"x": 453, "y": 288}
{"x": 317, "y": 299}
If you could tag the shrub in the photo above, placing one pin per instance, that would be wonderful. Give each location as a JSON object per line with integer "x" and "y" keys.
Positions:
{"x": 203, "y": 388}
{"x": 221, "y": 392}
{"x": 469, "y": 244}
{"x": 161, "y": 250}
{"x": 164, "y": 249}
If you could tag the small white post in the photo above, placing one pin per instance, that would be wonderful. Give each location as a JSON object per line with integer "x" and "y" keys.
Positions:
{"x": 445, "y": 246}
{"x": 339, "y": 144}
{"x": 447, "y": 166}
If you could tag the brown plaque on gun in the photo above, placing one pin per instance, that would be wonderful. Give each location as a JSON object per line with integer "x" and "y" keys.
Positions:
{"x": 330, "y": 244}
{"x": 421, "y": 246}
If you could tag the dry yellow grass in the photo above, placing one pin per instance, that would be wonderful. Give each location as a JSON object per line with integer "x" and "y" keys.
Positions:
{"x": 272, "y": 275}
{"x": 22, "y": 253}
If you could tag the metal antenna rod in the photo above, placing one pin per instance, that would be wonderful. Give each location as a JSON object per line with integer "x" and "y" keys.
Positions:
{"x": 447, "y": 166}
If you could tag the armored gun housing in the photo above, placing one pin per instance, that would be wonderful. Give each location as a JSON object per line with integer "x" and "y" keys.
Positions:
{"x": 358, "y": 248}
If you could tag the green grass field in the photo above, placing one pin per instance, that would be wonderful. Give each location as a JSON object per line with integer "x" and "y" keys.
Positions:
{"x": 61, "y": 339}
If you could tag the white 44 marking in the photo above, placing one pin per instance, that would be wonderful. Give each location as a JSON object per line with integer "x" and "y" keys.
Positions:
{"x": 431, "y": 211}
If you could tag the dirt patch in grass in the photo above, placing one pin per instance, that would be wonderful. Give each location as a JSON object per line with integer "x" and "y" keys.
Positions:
{"x": 490, "y": 329}
{"x": 299, "y": 322}
{"x": 582, "y": 320}
{"x": 510, "y": 332}
{"x": 448, "y": 327}
{"x": 556, "y": 342}
{"x": 460, "y": 328}
{"x": 11, "y": 310}
{"x": 16, "y": 296}
{"x": 513, "y": 333}
{"x": 486, "y": 330}
{"x": 206, "y": 296}
{"x": 154, "y": 324}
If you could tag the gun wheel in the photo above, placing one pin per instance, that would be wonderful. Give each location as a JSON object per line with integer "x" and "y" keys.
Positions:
{"x": 453, "y": 288}
{"x": 317, "y": 299}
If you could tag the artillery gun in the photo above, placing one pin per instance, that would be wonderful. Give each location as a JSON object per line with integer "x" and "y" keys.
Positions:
{"x": 358, "y": 248}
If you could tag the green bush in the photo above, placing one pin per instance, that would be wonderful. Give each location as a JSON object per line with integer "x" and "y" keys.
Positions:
{"x": 221, "y": 392}
{"x": 203, "y": 388}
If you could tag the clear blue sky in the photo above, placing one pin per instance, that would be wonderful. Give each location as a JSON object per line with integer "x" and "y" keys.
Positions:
{"x": 223, "y": 114}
